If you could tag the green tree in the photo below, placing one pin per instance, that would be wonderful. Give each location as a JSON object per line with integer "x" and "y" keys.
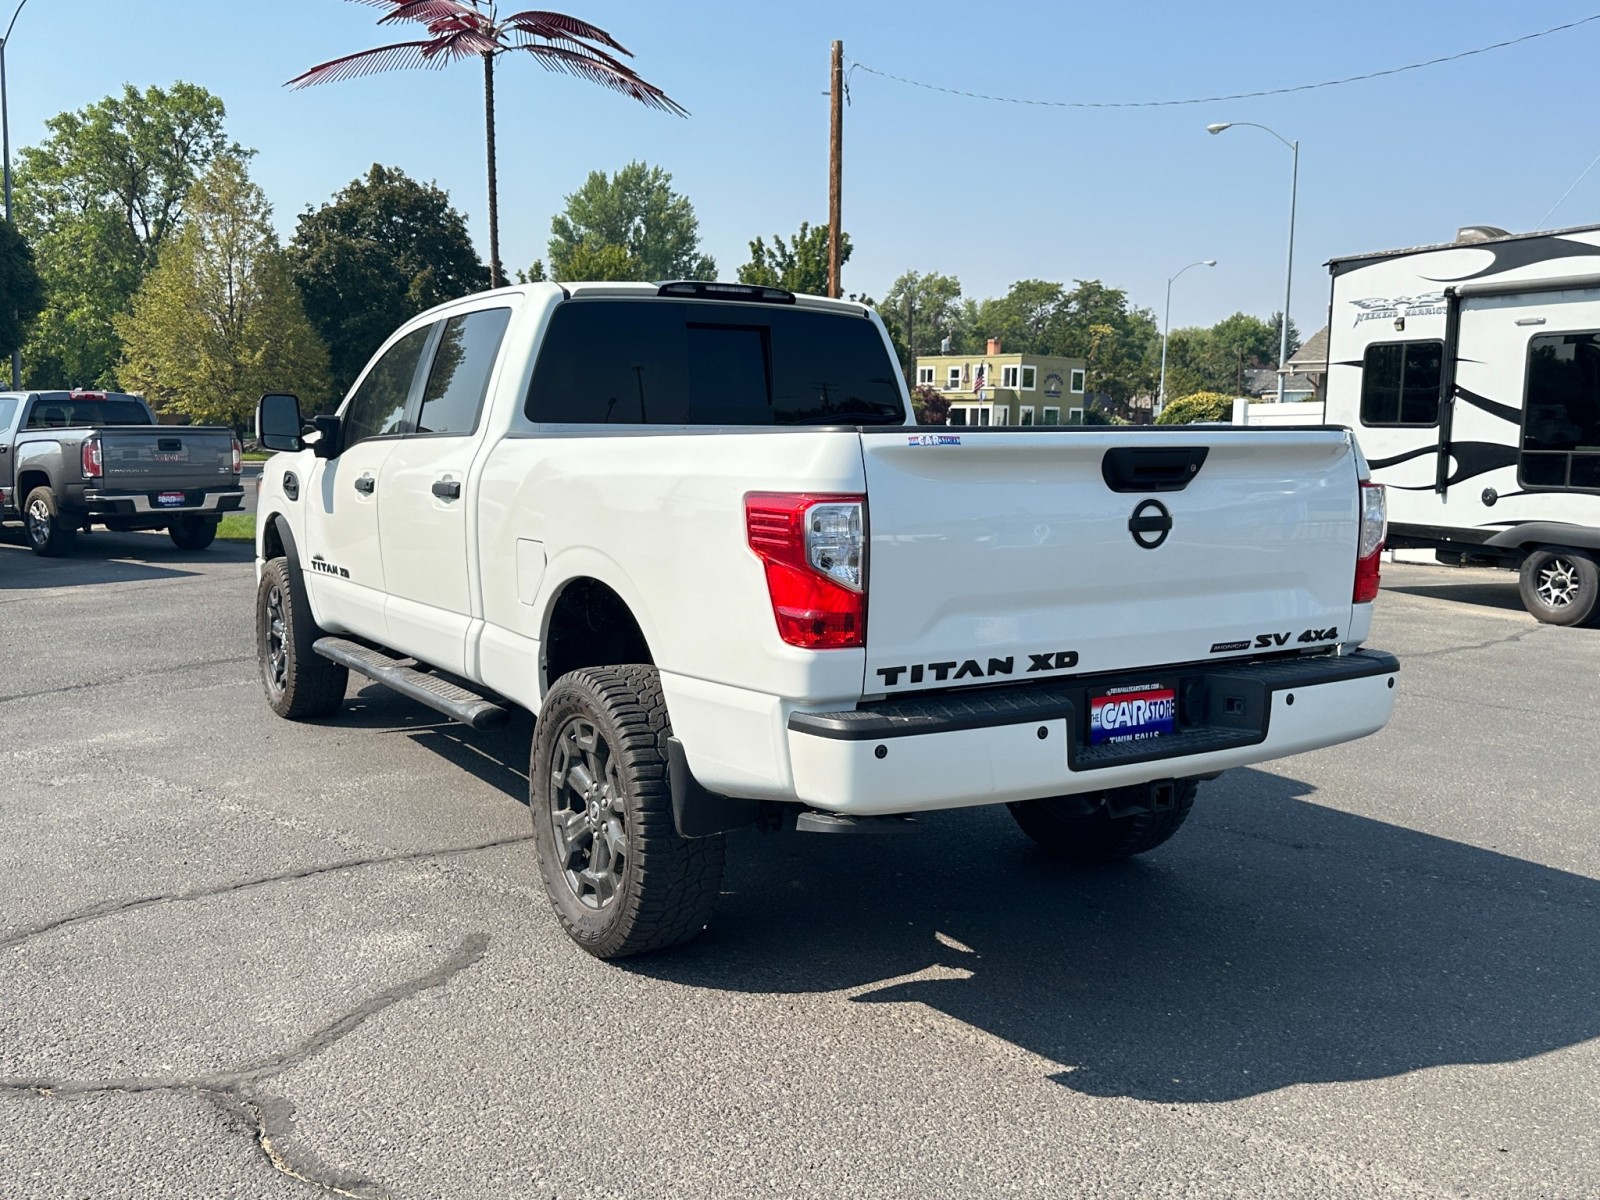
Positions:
{"x": 21, "y": 293}
{"x": 382, "y": 250}
{"x": 932, "y": 303}
{"x": 602, "y": 261}
{"x": 219, "y": 320}
{"x": 1276, "y": 321}
{"x": 799, "y": 264}
{"x": 1197, "y": 406}
{"x": 98, "y": 199}
{"x": 636, "y": 209}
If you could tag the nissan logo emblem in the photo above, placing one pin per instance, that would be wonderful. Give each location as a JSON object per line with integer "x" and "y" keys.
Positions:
{"x": 1150, "y": 523}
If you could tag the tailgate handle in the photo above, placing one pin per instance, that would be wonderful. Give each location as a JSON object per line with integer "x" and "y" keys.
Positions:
{"x": 1152, "y": 468}
{"x": 168, "y": 445}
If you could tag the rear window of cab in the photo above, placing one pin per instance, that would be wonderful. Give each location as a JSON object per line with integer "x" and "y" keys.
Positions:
{"x": 693, "y": 362}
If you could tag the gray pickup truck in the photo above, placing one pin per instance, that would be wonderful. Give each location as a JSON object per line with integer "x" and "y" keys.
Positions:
{"x": 72, "y": 460}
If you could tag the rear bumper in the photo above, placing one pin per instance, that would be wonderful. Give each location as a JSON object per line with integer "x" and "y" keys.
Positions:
{"x": 1010, "y": 744}
{"x": 144, "y": 504}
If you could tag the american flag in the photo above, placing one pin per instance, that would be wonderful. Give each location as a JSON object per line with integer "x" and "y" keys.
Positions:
{"x": 980, "y": 379}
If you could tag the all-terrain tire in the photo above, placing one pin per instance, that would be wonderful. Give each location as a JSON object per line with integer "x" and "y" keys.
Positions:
{"x": 1560, "y": 586}
{"x": 50, "y": 535}
{"x": 1059, "y": 825}
{"x": 299, "y": 682}
{"x": 620, "y": 878}
{"x": 193, "y": 533}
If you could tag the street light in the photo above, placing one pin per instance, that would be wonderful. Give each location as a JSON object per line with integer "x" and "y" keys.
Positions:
{"x": 1294, "y": 185}
{"x": 5, "y": 142}
{"x": 1166, "y": 325}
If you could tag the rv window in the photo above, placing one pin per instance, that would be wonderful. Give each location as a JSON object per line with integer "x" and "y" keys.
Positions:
{"x": 1400, "y": 383}
{"x": 1561, "y": 415}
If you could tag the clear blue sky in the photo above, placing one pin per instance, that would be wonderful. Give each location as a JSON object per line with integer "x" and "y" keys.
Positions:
{"x": 987, "y": 192}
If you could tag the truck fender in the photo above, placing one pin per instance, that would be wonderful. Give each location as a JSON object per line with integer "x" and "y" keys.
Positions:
{"x": 306, "y": 633}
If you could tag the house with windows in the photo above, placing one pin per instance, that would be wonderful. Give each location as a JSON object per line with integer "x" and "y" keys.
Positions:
{"x": 994, "y": 388}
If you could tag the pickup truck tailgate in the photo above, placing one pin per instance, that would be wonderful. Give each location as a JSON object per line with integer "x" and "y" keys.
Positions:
{"x": 165, "y": 456}
{"x": 997, "y": 556}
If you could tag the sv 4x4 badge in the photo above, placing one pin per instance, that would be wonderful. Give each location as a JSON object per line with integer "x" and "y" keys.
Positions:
{"x": 1272, "y": 641}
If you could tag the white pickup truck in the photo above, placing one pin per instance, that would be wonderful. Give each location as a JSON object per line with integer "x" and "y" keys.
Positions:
{"x": 691, "y": 529}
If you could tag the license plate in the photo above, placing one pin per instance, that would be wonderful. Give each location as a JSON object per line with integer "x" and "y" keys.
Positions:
{"x": 1132, "y": 714}
{"x": 170, "y": 499}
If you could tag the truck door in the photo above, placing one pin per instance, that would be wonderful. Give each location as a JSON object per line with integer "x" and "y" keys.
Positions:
{"x": 10, "y": 412}
{"x": 423, "y": 496}
{"x": 343, "y": 557}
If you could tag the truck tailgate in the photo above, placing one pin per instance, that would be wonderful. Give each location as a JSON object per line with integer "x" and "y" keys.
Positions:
{"x": 159, "y": 457}
{"x": 1001, "y": 556}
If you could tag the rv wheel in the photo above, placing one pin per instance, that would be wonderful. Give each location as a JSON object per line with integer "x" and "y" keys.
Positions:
{"x": 1560, "y": 587}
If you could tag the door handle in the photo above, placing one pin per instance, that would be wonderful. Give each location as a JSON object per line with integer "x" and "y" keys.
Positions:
{"x": 366, "y": 485}
{"x": 447, "y": 489}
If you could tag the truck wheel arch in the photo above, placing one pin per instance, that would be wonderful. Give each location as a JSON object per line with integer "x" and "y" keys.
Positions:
{"x": 26, "y": 482}
{"x": 590, "y": 625}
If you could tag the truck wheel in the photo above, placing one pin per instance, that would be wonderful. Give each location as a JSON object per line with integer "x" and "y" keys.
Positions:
{"x": 193, "y": 533}
{"x": 1560, "y": 587}
{"x": 299, "y": 682}
{"x": 1057, "y": 825}
{"x": 619, "y": 877}
{"x": 48, "y": 534}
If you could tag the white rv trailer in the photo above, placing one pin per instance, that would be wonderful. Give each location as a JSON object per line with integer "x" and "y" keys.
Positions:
{"x": 1471, "y": 374}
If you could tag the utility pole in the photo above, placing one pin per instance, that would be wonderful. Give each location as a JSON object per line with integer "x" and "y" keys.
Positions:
{"x": 835, "y": 154}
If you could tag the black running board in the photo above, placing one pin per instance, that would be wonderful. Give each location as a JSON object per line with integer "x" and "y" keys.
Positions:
{"x": 439, "y": 694}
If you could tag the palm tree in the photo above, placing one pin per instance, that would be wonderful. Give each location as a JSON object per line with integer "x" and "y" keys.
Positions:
{"x": 460, "y": 29}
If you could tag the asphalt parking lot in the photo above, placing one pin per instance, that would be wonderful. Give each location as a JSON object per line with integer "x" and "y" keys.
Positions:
{"x": 244, "y": 958}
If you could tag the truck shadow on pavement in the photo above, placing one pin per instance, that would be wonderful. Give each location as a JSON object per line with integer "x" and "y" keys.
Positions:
{"x": 106, "y": 558}
{"x": 498, "y": 757}
{"x": 1274, "y": 942}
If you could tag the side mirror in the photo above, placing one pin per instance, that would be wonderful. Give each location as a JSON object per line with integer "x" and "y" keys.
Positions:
{"x": 330, "y": 440}
{"x": 278, "y": 422}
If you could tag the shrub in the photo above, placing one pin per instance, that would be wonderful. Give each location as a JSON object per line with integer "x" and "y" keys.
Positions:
{"x": 1197, "y": 406}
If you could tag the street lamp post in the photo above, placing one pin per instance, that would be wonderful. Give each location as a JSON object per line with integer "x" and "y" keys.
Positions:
{"x": 1166, "y": 326}
{"x": 1288, "y": 280}
{"x": 5, "y": 142}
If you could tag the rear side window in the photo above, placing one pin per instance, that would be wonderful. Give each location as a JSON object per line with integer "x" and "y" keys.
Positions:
{"x": 8, "y": 412}
{"x": 677, "y": 362}
{"x": 1400, "y": 383}
{"x": 1561, "y": 416}
{"x": 461, "y": 369}
{"x": 61, "y": 414}
{"x": 378, "y": 407}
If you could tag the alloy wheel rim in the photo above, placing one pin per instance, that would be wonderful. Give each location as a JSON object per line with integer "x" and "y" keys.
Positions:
{"x": 1558, "y": 583}
{"x": 277, "y": 642}
{"x": 38, "y": 523}
{"x": 587, "y": 814}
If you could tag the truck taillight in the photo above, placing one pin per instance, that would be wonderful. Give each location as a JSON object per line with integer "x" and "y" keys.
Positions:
{"x": 1374, "y": 525}
{"x": 238, "y": 456}
{"x": 92, "y": 466}
{"x": 814, "y": 550}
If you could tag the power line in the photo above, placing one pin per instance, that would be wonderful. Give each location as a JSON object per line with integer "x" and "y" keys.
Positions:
{"x": 1282, "y": 91}
{"x": 1568, "y": 192}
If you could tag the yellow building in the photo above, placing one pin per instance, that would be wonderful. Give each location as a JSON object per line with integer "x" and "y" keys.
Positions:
{"x": 1006, "y": 389}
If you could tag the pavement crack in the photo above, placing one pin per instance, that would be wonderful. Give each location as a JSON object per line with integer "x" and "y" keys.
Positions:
{"x": 116, "y": 679}
{"x": 99, "y": 912}
{"x": 271, "y": 1120}
{"x": 1489, "y": 645}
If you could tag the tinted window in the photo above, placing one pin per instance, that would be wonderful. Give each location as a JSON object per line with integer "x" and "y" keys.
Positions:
{"x": 672, "y": 362}
{"x": 461, "y": 369}
{"x": 8, "y": 411}
{"x": 1561, "y": 416}
{"x": 1400, "y": 383}
{"x": 60, "y": 414}
{"x": 378, "y": 406}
